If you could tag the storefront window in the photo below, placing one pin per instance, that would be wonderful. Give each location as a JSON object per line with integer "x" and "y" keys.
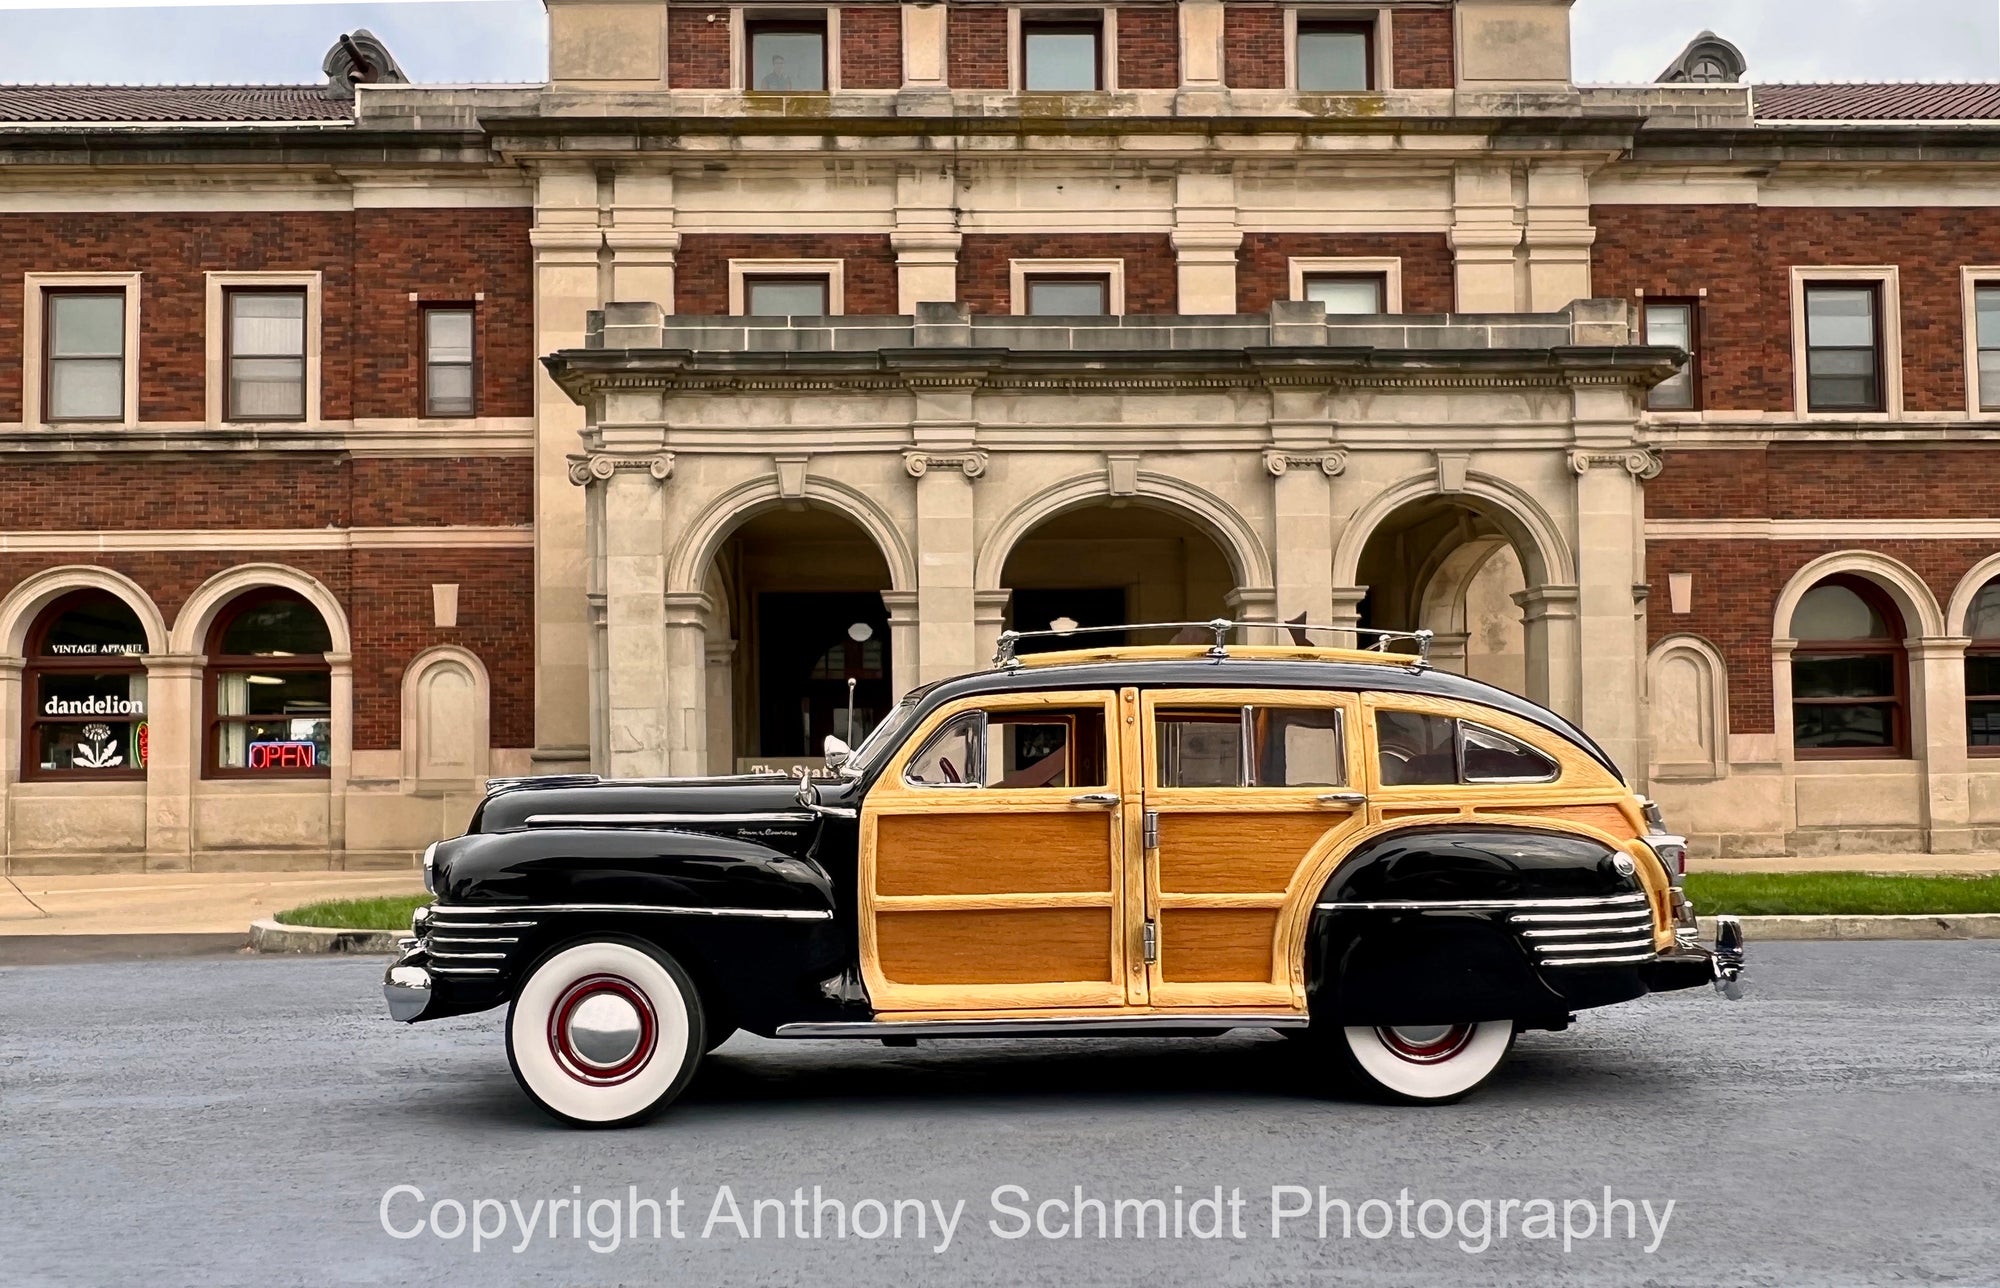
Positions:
{"x": 1982, "y": 672}
{"x": 85, "y": 685}
{"x": 270, "y": 689}
{"x": 1848, "y": 672}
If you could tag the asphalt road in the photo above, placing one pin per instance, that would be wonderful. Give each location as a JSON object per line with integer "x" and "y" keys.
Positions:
{"x": 239, "y": 1121}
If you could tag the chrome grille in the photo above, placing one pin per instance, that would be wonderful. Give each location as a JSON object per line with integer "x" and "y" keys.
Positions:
{"x": 1617, "y": 932}
{"x": 472, "y": 941}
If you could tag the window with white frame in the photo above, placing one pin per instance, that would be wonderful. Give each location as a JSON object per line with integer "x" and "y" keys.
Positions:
{"x": 263, "y": 332}
{"x": 1982, "y": 339}
{"x": 450, "y": 388}
{"x": 1068, "y": 287}
{"x": 1349, "y": 285}
{"x": 1062, "y": 52}
{"x": 786, "y": 54}
{"x": 79, "y": 348}
{"x": 1846, "y": 341}
{"x": 1332, "y": 55}
{"x": 786, "y": 287}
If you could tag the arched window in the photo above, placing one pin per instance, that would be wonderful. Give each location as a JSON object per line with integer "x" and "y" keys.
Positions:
{"x": 1982, "y": 672}
{"x": 85, "y": 690}
{"x": 269, "y": 690}
{"x": 1848, "y": 672}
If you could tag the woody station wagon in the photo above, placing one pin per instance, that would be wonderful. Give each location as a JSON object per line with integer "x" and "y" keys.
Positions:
{"x": 1404, "y": 868}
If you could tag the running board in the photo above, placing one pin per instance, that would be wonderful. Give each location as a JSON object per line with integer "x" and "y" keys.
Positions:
{"x": 1052, "y": 1026}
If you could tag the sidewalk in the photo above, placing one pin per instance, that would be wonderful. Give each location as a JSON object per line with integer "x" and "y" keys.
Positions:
{"x": 177, "y": 903}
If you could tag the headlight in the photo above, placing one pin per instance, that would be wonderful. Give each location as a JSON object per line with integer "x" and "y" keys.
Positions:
{"x": 430, "y": 868}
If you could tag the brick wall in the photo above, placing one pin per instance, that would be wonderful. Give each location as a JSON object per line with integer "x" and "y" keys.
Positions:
{"x": 1151, "y": 277}
{"x": 1149, "y": 47}
{"x": 444, "y": 257}
{"x": 698, "y": 48}
{"x": 386, "y": 595}
{"x": 976, "y": 47}
{"x": 1253, "y": 39}
{"x": 125, "y": 495}
{"x": 1263, "y": 272}
{"x": 701, "y": 272}
{"x": 369, "y": 262}
{"x": 1421, "y": 49}
{"x": 871, "y": 46}
{"x": 1743, "y": 256}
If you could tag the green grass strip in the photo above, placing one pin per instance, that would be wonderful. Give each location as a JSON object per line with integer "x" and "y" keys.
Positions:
{"x": 390, "y": 913}
{"x": 1759, "y": 894}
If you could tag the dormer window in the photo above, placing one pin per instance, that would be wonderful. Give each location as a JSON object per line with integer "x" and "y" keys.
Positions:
{"x": 786, "y": 56}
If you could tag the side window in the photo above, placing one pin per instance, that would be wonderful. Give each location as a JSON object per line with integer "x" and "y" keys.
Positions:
{"x": 1006, "y": 750}
{"x": 947, "y": 759}
{"x": 1250, "y": 747}
{"x": 1495, "y": 758}
{"x": 1416, "y": 749}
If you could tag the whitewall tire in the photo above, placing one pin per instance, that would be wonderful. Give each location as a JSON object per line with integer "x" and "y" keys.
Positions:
{"x": 603, "y": 1034}
{"x": 1426, "y": 1064}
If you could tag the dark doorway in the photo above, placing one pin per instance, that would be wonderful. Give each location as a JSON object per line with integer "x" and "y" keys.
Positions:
{"x": 806, "y": 655}
{"x": 1091, "y": 606}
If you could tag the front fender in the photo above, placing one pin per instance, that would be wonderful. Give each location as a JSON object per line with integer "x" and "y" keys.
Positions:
{"x": 627, "y": 866}
{"x": 1416, "y": 927}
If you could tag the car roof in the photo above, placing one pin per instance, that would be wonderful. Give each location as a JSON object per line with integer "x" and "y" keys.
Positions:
{"x": 1256, "y": 672}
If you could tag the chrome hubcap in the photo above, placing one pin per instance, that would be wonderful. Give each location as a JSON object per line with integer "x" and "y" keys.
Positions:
{"x": 1425, "y": 1043}
{"x": 602, "y": 1030}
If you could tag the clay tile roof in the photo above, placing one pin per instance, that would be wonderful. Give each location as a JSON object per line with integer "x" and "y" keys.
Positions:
{"x": 1906, "y": 101}
{"x": 168, "y": 104}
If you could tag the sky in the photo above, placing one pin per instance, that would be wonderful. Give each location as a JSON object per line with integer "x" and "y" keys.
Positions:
{"x": 481, "y": 41}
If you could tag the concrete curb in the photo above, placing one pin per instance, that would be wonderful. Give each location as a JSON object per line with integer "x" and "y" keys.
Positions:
{"x": 1968, "y": 925}
{"x": 268, "y": 936}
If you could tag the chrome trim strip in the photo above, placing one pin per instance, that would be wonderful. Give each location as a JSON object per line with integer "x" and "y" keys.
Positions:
{"x": 665, "y": 820}
{"x": 1599, "y": 961}
{"x": 476, "y": 939}
{"x": 1616, "y": 945}
{"x": 781, "y": 914}
{"x": 1025, "y": 1028}
{"x": 1501, "y": 905}
{"x": 469, "y": 957}
{"x": 456, "y": 924}
{"x": 1576, "y": 918}
{"x": 465, "y": 970}
{"x": 1633, "y": 927}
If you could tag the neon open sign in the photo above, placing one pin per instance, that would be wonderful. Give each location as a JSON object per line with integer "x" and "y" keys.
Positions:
{"x": 283, "y": 755}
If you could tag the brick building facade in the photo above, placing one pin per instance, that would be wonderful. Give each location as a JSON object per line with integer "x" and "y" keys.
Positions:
{"x": 336, "y": 483}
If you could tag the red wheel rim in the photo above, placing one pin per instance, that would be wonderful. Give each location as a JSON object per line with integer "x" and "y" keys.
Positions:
{"x": 1425, "y": 1045}
{"x": 563, "y": 1030}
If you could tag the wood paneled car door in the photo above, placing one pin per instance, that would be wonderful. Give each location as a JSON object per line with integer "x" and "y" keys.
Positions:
{"x": 992, "y": 870}
{"x": 1244, "y": 791}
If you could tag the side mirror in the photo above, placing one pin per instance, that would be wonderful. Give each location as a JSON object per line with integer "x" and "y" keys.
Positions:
{"x": 838, "y": 753}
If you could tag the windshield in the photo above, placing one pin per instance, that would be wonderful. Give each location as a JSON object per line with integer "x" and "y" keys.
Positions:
{"x": 882, "y": 737}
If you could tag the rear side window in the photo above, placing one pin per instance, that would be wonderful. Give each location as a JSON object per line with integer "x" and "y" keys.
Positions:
{"x": 1250, "y": 747}
{"x": 1426, "y": 750}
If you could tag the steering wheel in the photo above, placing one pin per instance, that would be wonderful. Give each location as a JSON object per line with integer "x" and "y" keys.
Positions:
{"x": 951, "y": 774}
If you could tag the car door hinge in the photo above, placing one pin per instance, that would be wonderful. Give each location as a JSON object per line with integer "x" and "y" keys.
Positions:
{"x": 1151, "y": 834}
{"x": 1149, "y": 942}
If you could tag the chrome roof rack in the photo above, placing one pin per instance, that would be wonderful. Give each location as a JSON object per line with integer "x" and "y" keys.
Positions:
{"x": 1006, "y": 656}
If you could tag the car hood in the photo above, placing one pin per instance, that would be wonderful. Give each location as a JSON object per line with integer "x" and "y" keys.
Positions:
{"x": 600, "y": 802}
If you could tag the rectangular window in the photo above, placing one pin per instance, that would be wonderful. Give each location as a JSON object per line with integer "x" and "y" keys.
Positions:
{"x": 1672, "y": 323}
{"x": 1061, "y": 56}
{"x": 448, "y": 364}
{"x": 1335, "y": 56}
{"x": 1250, "y": 747}
{"x": 1986, "y": 300}
{"x": 1982, "y": 702}
{"x": 1843, "y": 346}
{"x": 1349, "y": 294}
{"x": 786, "y": 57}
{"x": 1069, "y": 296}
{"x": 778, "y": 297}
{"x": 1013, "y": 750}
{"x": 265, "y": 352}
{"x": 84, "y": 340}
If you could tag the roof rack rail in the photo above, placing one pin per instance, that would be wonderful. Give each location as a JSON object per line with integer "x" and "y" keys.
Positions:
{"x": 1006, "y": 657}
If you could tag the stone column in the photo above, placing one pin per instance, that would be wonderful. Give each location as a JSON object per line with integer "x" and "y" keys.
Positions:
{"x": 642, "y": 238}
{"x": 1554, "y": 665}
{"x": 567, "y": 241}
{"x": 1346, "y": 613}
{"x": 989, "y": 616}
{"x": 173, "y": 758}
{"x": 684, "y": 705}
{"x": 947, "y": 544}
{"x": 632, "y": 506}
{"x": 1558, "y": 237}
{"x": 1205, "y": 240}
{"x": 1610, "y": 554}
{"x": 1448, "y": 650}
{"x": 1938, "y": 737}
{"x": 12, "y": 731}
{"x": 1485, "y": 238}
{"x": 721, "y": 705}
{"x": 926, "y": 237}
{"x": 1302, "y": 500}
{"x": 902, "y": 606}
{"x": 340, "y": 756}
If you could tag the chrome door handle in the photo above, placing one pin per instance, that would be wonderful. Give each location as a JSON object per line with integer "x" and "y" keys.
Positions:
{"x": 1355, "y": 799}
{"x": 1095, "y": 798}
